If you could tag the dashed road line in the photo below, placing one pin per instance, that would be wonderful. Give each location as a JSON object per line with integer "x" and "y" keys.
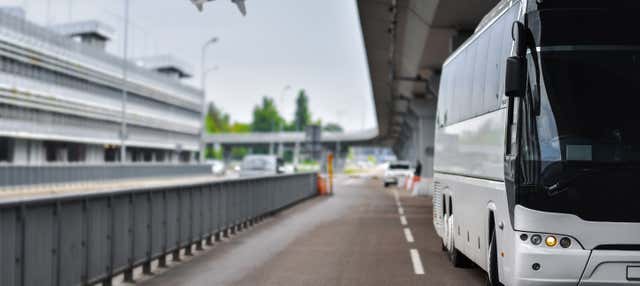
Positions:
{"x": 418, "y": 268}
{"x": 408, "y": 235}
{"x": 417, "y": 262}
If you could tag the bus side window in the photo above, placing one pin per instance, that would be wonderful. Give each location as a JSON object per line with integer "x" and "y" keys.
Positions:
{"x": 512, "y": 143}
{"x": 444, "y": 205}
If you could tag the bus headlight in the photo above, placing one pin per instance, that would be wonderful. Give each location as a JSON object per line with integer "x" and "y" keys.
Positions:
{"x": 536, "y": 239}
{"x": 551, "y": 241}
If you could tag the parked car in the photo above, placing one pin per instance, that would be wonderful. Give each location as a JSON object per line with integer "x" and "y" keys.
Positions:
{"x": 218, "y": 167}
{"x": 396, "y": 172}
{"x": 261, "y": 165}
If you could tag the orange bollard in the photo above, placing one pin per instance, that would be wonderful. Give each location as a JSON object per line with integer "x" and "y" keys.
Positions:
{"x": 414, "y": 181}
{"x": 322, "y": 187}
{"x": 330, "y": 171}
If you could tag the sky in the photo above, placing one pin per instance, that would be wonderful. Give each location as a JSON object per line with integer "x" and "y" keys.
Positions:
{"x": 303, "y": 44}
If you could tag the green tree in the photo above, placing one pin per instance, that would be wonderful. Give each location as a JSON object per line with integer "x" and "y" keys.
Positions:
{"x": 237, "y": 153}
{"x": 302, "y": 116}
{"x": 238, "y": 127}
{"x": 266, "y": 117}
{"x": 212, "y": 153}
{"x": 332, "y": 127}
{"x": 216, "y": 120}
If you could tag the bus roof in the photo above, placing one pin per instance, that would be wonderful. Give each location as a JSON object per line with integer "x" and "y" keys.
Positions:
{"x": 485, "y": 23}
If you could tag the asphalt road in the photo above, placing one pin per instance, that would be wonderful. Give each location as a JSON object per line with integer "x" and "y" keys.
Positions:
{"x": 355, "y": 237}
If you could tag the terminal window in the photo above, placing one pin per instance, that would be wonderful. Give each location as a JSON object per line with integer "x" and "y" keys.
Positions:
{"x": 5, "y": 150}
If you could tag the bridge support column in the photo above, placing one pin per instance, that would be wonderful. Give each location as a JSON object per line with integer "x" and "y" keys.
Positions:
{"x": 296, "y": 154}
{"x": 418, "y": 135}
{"x": 281, "y": 150}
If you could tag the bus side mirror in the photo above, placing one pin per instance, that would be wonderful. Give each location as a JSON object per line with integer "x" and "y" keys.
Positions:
{"x": 519, "y": 34}
{"x": 515, "y": 77}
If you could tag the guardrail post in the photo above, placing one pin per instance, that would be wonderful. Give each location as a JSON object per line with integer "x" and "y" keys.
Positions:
{"x": 109, "y": 271}
{"x": 201, "y": 219}
{"x": 211, "y": 229}
{"x": 188, "y": 248}
{"x": 146, "y": 266}
{"x": 176, "y": 252}
{"x": 162, "y": 260}
{"x": 21, "y": 221}
{"x": 128, "y": 273}
{"x": 58, "y": 243}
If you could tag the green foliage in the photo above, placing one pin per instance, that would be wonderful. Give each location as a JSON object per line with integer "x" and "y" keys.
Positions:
{"x": 240, "y": 128}
{"x": 266, "y": 117}
{"x": 216, "y": 120}
{"x": 351, "y": 155}
{"x": 287, "y": 156}
{"x": 212, "y": 153}
{"x": 302, "y": 116}
{"x": 237, "y": 153}
{"x": 332, "y": 127}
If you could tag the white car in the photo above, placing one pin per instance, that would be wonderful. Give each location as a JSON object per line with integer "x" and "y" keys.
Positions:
{"x": 217, "y": 167}
{"x": 396, "y": 172}
{"x": 260, "y": 165}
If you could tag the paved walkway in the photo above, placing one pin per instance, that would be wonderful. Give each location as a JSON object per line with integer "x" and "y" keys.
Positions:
{"x": 362, "y": 235}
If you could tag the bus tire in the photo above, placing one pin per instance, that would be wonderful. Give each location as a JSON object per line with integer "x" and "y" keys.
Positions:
{"x": 457, "y": 258}
{"x": 493, "y": 278}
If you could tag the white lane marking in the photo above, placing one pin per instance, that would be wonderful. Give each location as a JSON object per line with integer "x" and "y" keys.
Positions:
{"x": 400, "y": 211}
{"x": 408, "y": 235}
{"x": 403, "y": 220}
{"x": 417, "y": 262}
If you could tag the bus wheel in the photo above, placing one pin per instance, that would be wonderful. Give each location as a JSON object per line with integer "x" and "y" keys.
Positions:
{"x": 456, "y": 257}
{"x": 492, "y": 262}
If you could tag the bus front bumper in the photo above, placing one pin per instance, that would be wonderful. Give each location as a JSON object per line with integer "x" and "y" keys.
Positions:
{"x": 612, "y": 267}
{"x": 575, "y": 266}
{"x": 541, "y": 265}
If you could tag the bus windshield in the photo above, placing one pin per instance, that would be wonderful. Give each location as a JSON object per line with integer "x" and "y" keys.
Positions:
{"x": 587, "y": 133}
{"x": 589, "y": 106}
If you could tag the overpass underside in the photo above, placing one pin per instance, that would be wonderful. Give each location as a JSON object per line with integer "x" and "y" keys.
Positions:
{"x": 407, "y": 41}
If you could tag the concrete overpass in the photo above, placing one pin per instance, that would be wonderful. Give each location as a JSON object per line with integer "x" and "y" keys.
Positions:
{"x": 407, "y": 41}
{"x": 279, "y": 141}
{"x": 361, "y": 136}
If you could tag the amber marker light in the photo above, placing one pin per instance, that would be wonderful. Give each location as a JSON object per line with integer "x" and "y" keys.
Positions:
{"x": 551, "y": 241}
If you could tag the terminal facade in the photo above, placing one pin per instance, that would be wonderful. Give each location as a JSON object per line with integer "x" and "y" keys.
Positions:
{"x": 62, "y": 99}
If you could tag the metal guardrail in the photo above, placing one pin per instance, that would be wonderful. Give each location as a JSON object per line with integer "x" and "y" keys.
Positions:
{"x": 24, "y": 175}
{"x": 89, "y": 238}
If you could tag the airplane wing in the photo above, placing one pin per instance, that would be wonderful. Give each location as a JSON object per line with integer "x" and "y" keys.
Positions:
{"x": 199, "y": 4}
{"x": 241, "y": 6}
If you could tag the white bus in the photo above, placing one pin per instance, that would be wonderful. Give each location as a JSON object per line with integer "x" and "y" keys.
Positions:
{"x": 537, "y": 161}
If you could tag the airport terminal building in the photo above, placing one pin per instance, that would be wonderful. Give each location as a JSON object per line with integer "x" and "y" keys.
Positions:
{"x": 61, "y": 98}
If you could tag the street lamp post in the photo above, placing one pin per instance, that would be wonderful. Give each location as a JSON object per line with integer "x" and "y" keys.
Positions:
{"x": 281, "y": 124}
{"x": 203, "y": 86}
{"x": 125, "y": 67}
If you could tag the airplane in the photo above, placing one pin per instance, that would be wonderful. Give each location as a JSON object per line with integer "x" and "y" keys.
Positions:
{"x": 243, "y": 9}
